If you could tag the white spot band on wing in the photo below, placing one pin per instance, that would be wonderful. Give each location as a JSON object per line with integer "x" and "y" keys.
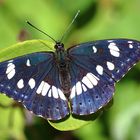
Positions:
{"x": 50, "y": 90}
{"x": 88, "y": 81}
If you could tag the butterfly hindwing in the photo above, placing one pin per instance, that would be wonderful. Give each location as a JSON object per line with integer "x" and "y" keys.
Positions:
{"x": 90, "y": 91}
{"x": 30, "y": 80}
{"x": 95, "y": 67}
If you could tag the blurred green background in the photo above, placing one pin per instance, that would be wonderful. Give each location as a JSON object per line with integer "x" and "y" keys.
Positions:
{"x": 99, "y": 19}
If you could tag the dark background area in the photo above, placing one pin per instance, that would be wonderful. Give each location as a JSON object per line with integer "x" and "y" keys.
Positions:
{"x": 98, "y": 19}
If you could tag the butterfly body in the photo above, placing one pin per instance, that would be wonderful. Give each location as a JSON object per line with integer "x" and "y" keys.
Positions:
{"x": 62, "y": 62}
{"x": 79, "y": 80}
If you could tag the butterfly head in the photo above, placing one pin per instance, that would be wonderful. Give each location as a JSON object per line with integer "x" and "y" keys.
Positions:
{"x": 59, "y": 46}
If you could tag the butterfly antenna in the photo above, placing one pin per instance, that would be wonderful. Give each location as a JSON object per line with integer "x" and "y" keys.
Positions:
{"x": 68, "y": 28}
{"x": 40, "y": 31}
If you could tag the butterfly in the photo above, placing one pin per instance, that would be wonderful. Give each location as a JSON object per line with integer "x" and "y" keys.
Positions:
{"x": 80, "y": 80}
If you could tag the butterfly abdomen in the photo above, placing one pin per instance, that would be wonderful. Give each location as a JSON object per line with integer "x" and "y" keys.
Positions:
{"x": 64, "y": 77}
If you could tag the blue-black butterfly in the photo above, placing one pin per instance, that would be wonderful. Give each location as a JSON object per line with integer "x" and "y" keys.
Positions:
{"x": 79, "y": 80}
{"x": 84, "y": 75}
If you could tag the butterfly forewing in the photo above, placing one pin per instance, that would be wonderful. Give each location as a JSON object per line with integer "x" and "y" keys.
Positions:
{"x": 33, "y": 80}
{"x": 94, "y": 69}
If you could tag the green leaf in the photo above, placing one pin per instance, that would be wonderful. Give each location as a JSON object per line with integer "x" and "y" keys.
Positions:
{"x": 73, "y": 123}
{"x": 25, "y": 47}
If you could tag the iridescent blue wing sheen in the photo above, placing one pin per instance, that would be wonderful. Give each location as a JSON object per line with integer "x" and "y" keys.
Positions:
{"x": 95, "y": 67}
{"x": 33, "y": 79}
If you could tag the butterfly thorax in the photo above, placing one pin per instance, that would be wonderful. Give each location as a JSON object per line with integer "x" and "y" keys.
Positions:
{"x": 63, "y": 66}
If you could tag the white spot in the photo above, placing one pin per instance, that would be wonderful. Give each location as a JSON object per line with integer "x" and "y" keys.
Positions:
{"x": 11, "y": 74}
{"x": 128, "y": 60}
{"x": 39, "y": 90}
{"x": 130, "y": 42}
{"x": 10, "y": 67}
{"x": 61, "y": 94}
{"x": 112, "y": 46}
{"x": 73, "y": 90}
{"x": 1, "y": 85}
{"x": 92, "y": 78}
{"x": 45, "y": 89}
{"x": 54, "y": 92}
{"x": 20, "y": 84}
{"x": 50, "y": 93}
{"x": 94, "y": 49}
{"x": 10, "y": 70}
{"x": 110, "y": 41}
{"x": 110, "y": 65}
{"x": 78, "y": 88}
{"x": 118, "y": 71}
{"x": 86, "y": 81}
{"x": 95, "y": 76}
{"x": 28, "y": 63}
{"x": 130, "y": 46}
{"x": 9, "y": 64}
{"x": 114, "y": 50}
{"x": 10, "y": 61}
{"x": 84, "y": 88}
{"x": 8, "y": 87}
{"x": 31, "y": 83}
{"x": 122, "y": 64}
{"x": 115, "y": 53}
{"x": 99, "y": 69}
